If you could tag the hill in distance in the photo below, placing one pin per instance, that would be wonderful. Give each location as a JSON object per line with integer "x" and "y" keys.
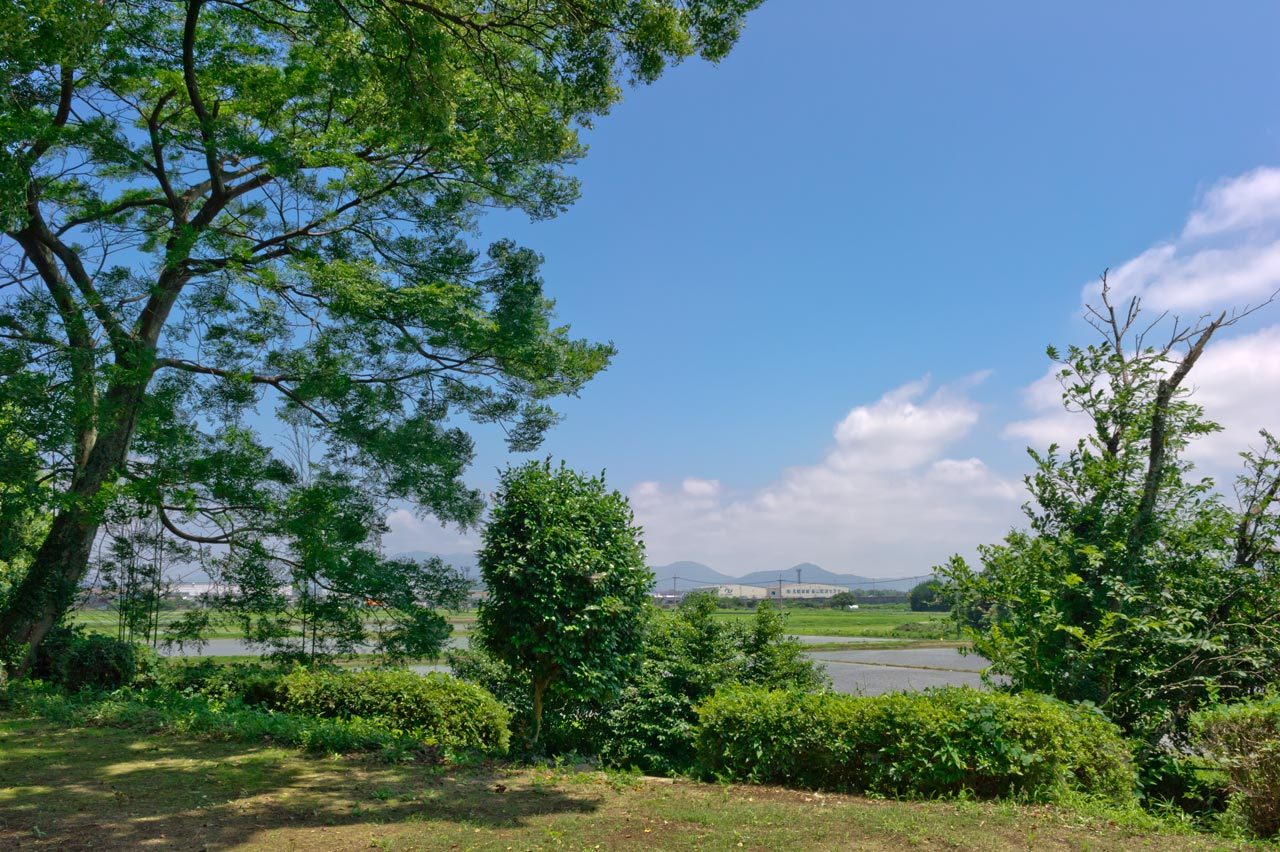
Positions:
{"x": 689, "y": 574}
{"x": 685, "y": 575}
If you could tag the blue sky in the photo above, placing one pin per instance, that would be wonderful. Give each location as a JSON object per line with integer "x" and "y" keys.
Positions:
{"x": 865, "y": 196}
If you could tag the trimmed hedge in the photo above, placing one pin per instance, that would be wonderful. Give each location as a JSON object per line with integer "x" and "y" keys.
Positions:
{"x": 1244, "y": 740}
{"x": 436, "y": 708}
{"x": 939, "y": 742}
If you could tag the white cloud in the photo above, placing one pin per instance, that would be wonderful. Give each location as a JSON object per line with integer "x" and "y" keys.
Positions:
{"x": 1237, "y": 381}
{"x": 1049, "y": 422}
{"x": 1249, "y": 201}
{"x": 1227, "y": 254}
{"x": 884, "y": 501}
{"x": 409, "y": 532}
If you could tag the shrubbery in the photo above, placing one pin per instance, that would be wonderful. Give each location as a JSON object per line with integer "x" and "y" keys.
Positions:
{"x": 252, "y": 684}
{"x": 161, "y": 710}
{"x": 689, "y": 655}
{"x": 436, "y": 708}
{"x": 939, "y": 742}
{"x": 1244, "y": 740}
{"x": 75, "y": 660}
{"x": 652, "y": 723}
{"x": 327, "y": 710}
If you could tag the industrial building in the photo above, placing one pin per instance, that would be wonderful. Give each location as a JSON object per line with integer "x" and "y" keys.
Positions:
{"x": 802, "y": 591}
{"x": 738, "y": 590}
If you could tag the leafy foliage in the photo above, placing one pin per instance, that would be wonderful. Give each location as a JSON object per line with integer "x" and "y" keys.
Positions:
{"x": 567, "y": 585}
{"x": 941, "y": 742}
{"x": 437, "y": 709}
{"x": 1136, "y": 587}
{"x": 23, "y": 501}
{"x": 75, "y": 660}
{"x": 652, "y": 723}
{"x": 1244, "y": 739}
{"x": 251, "y": 684}
{"x": 334, "y": 593}
{"x": 212, "y": 209}
{"x": 929, "y": 596}
{"x": 689, "y": 655}
{"x": 159, "y": 710}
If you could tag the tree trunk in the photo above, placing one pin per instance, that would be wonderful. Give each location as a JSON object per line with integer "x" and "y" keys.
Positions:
{"x": 539, "y": 689}
{"x": 49, "y": 589}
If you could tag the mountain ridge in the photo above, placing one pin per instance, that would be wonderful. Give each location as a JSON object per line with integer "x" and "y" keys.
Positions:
{"x": 687, "y": 574}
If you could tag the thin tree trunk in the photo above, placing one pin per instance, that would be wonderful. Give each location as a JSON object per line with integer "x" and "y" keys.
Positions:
{"x": 539, "y": 689}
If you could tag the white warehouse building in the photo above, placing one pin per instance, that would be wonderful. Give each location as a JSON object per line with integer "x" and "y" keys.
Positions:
{"x": 803, "y": 590}
{"x": 738, "y": 590}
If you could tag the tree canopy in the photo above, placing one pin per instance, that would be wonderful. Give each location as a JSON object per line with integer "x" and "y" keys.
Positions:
{"x": 1137, "y": 587}
{"x": 228, "y": 221}
{"x": 568, "y": 588}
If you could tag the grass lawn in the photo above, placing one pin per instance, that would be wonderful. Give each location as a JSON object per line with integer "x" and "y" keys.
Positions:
{"x": 887, "y": 620}
{"x": 103, "y": 788}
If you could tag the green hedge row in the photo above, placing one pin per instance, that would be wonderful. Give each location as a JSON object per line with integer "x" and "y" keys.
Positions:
{"x": 439, "y": 709}
{"x": 940, "y": 742}
{"x": 159, "y": 710}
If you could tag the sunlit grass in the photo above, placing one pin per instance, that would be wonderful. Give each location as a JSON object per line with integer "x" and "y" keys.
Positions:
{"x": 106, "y": 788}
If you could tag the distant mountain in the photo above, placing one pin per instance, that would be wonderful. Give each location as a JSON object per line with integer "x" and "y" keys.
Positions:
{"x": 810, "y": 573}
{"x": 686, "y": 575}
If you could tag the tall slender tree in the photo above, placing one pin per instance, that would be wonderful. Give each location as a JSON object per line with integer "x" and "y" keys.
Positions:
{"x": 214, "y": 206}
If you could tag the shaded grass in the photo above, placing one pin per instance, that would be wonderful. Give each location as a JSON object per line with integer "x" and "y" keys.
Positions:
{"x": 104, "y": 788}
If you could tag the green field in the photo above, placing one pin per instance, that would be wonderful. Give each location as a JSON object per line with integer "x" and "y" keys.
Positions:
{"x": 105, "y": 621}
{"x": 878, "y": 620}
{"x": 895, "y": 621}
{"x": 106, "y": 789}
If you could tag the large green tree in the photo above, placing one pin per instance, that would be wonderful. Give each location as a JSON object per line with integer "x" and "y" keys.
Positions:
{"x": 568, "y": 588}
{"x": 1137, "y": 586}
{"x": 214, "y": 207}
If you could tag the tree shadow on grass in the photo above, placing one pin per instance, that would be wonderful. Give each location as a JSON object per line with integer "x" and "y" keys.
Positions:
{"x": 105, "y": 788}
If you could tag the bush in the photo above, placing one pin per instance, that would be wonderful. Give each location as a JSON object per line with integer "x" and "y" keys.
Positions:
{"x": 75, "y": 660}
{"x": 159, "y": 710}
{"x": 438, "y": 709}
{"x": 940, "y": 742}
{"x": 1244, "y": 740}
{"x": 1185, "y": 782}
{"x": 689, "y": 654}
{"x": 929, "y": 596}
{"x": 252, "y": 684}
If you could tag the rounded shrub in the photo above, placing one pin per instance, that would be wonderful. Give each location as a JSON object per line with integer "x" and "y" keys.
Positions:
{"x": 438, "y": 709}
{"x": 76, "y": 660}
{"x": 938, "y": 742}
